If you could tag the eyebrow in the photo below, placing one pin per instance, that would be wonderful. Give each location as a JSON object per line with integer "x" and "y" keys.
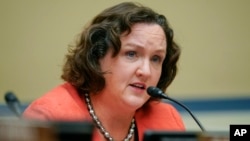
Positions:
{"x": 161, "y": 50}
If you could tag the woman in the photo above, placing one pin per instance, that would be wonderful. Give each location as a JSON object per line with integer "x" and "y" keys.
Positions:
{"x": 124, "y": 50}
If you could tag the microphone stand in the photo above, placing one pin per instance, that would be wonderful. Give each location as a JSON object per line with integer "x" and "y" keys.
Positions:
{"x": 156, "y": 92}
{"x": 13, "y": 103}
{"x": 186, "y": 108}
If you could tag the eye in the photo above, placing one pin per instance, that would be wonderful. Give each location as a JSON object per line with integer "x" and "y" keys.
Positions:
{"x": 131, "y": 54}
{"x": 156, "y": 59}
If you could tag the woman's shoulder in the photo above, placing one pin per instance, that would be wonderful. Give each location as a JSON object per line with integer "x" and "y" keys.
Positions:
{"x": 61, "y": 103}
{"x": 55, "y": 97}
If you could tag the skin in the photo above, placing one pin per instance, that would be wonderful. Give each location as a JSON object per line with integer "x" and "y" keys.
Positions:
{"x": 137, "y": 66}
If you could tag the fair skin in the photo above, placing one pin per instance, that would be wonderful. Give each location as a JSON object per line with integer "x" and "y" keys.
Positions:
{"x": 137, "y": 66}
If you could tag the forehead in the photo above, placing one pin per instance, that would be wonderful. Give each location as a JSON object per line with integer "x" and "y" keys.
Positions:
{"x": 144, "y": 34}
{"x": 150, "y": 28}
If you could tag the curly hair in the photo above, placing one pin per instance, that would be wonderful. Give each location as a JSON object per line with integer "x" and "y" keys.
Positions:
{"x": 82, "y": 68}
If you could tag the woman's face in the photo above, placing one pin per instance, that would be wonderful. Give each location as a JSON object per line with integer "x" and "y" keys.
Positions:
{"x": 137, "y": 66}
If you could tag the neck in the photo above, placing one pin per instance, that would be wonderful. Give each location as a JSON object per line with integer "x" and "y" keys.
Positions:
{"x": 109, "y": 109}
{"x": 116, "y": 121}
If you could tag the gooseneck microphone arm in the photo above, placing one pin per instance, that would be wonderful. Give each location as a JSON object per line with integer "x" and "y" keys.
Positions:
{"x": 157, "y": 93}
{"x": 13, "y": 103}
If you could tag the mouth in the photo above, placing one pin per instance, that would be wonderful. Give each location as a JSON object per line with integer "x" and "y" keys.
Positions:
{"x": 138, "y": 86}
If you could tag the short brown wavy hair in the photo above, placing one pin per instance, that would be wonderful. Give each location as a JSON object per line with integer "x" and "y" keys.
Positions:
{"x": 82, "y": 68}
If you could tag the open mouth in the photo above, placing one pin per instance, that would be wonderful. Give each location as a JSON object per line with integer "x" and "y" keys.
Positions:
{"x": 140, "y": 86}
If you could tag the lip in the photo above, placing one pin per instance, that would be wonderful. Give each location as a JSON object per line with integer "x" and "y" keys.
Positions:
{"x": 137, "y": 89}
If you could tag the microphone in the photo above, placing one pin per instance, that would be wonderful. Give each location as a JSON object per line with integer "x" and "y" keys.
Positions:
{"x": 158, "y": 93}
{"x": 13, "y": 103}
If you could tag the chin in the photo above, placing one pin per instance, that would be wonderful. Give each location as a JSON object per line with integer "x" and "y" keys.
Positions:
{"x": 136, "y": 103}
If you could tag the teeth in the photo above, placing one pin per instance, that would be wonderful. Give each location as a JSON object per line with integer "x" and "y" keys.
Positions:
{"x": 138, "y": 85}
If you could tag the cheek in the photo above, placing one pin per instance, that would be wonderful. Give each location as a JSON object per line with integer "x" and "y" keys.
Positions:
{"x": 104, "y": 65}
{"x": 157, "y": 75}
{"x": 115, "y": 72}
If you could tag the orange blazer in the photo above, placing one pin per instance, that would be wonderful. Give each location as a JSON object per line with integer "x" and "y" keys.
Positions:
{"x": 64, "y": 104}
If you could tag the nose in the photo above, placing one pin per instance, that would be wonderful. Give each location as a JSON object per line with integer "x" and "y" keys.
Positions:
{"x": 144, "y": 69}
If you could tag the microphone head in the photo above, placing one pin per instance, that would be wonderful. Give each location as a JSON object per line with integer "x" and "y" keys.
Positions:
{"x": 154, "y": 92}
{"x": 10, "y": 97}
